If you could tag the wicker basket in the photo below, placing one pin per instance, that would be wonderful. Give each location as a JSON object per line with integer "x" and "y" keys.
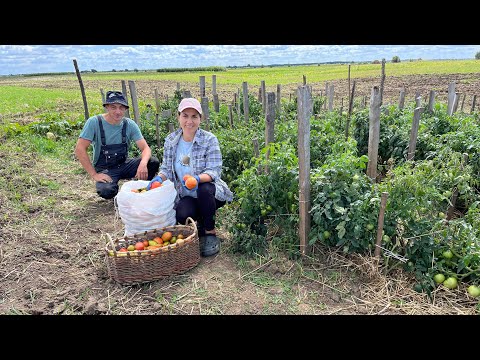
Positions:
{"x": 135, "y": 267}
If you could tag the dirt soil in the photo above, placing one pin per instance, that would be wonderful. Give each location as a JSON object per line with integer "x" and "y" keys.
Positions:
{"x": 52, "y": 258}
{"x": 466, "y": 84}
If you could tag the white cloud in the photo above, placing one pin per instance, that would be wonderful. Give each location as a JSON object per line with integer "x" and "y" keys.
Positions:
{"x": 24, "y": 59}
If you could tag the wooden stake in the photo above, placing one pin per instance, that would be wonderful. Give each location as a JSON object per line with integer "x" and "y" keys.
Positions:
{"x": 381, "y": 217}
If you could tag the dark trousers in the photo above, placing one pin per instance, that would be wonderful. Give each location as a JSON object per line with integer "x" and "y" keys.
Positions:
{"x": 201, "y": 209}
{"x": 127, "y": 170}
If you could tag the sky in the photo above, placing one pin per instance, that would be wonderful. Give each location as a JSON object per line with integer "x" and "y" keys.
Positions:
{"x": 28, "y": 59}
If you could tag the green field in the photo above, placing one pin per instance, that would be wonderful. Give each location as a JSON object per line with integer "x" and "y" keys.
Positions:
{"x": 27, "y": 94}
{"x": 286, "y": 74}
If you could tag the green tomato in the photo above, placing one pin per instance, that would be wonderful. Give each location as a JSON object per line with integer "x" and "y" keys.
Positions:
{"x": 370, "y": 227}
{"x": 386, "y": 239}
{"x": 439, "y": 278}
{"x": 474, "y": 291}
{"x": 264, "y": 212}
{"x": 326, "y": 234}
{"x": 447, "y": 254}
{"x": 450, "y": 283}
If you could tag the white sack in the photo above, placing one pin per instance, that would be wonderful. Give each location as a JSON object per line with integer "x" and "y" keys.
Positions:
{"x": 147, "y": 210}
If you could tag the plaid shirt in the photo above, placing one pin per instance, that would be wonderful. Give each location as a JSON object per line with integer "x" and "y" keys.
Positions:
{"x": 206, "y": 158}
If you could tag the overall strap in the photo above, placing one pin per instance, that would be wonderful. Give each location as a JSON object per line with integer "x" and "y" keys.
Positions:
{"x": 102, "y": 132}
{"x": 124, "y": 132}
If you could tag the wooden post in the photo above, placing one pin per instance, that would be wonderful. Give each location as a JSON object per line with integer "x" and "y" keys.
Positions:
{"x": 214, "y": 85}
{"x": 350, "y": 108}
{"x": 418, "y": 100}
{"x": 186, "y": 94}
{"x": 381, "y": 217}
{"x": 431, "y": 101}
{"x": 133, "y": 94}
{"x": 304, "y": 112}
{"x": 202, "y": 86}
{"x": 230, "y": 115}
{"x": 82, "y": 89}
{"x": 454, "y": 197}
{"x": 382, "y": 82}
{"x": 264, "y": 98}
{"x": 270, "y": 120}
{"x": 238, "y": 103}
{"x": 256, "y": 149}
{"x": 205, "y": 111}
{"x": 414, "y": 133}
{"x": 326, "y": 95}
{"x": 451, "y": 98}
{"x": 401, "y": 100}
{"x": 125, "y": 94}
{"x": 463, "y": 101}
{"x": 157, "y": 102}
{"x": 330, "y": 97}
{"x": 103, "y": 95}
{"x": 178, "y": 86}
{"x": 216, "y": 103}
{"x": 245, "y": 101}
{"x": 349, "y": 84}
{"x": 304, "y": 80}
{"x": 278, "y": 98}
{"x": 373, "y": 133}
{"x": 455, "y": 103}
{"x": 256, "y": 152}
{"x": 157, "y": 130}
{"x": 166, "y": 114}
{"x": 474, "y": 100}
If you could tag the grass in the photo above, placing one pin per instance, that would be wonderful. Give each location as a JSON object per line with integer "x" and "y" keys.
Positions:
{"x": 16, "y": 99}
{"x": 287, "y": 74}
{"x": 38, "y": 96}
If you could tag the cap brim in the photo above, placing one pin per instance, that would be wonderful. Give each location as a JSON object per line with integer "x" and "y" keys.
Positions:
{"x": 190, "y": 107}
{"x": 117, "y": 102}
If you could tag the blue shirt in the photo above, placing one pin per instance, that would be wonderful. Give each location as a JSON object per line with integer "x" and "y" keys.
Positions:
{"x": 205, "y": 158}
{"x": 182, "y": 164}
{"x": 113, "y": 134}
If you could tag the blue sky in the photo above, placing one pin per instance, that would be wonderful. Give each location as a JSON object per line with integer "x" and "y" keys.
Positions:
{"x": 27, "y": 59}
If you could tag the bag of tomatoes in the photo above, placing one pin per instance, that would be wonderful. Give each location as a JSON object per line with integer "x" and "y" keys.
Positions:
{"x": 142, "y": 210}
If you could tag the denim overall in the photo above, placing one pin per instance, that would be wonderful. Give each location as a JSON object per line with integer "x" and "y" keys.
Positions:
{"x": 113, "y": 155}
{"x": 113, "y": 161}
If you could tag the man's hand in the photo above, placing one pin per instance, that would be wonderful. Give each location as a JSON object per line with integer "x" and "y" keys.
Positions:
{"x": 156, "y": 178}
{"x": 101, "y": 177}
{"x": 142, "y": 172}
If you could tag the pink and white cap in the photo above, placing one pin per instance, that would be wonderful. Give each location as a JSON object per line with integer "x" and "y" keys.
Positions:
{"x": 190, "y": 103}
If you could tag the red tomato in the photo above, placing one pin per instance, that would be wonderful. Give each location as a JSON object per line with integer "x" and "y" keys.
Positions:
{"x": 155, "y": 185}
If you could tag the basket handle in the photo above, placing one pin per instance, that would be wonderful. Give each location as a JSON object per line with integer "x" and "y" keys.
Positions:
{"x": 193, "y": 223}
{"x": 111, "y": 242}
